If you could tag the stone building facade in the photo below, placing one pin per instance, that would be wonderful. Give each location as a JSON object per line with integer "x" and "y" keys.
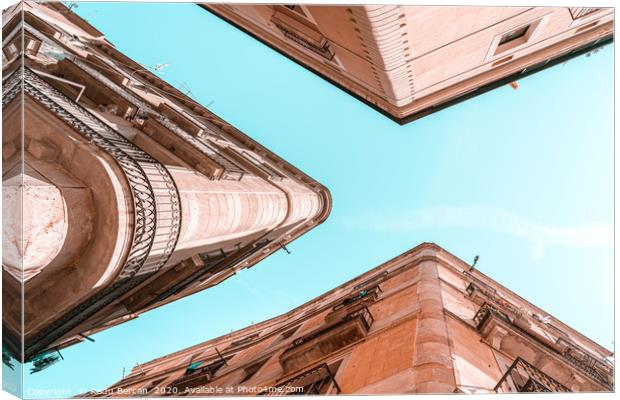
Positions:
{"x": 409, "y": 61}
{"x": 423, "y": 322}
{"x": 130, "y": 194}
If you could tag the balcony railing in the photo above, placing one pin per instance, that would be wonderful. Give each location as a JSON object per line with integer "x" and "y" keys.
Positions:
{"x": 375, "y": 279}
{"x": 491, "y": 294}
{"x": 369, "y": 294}
{"x": 196, "y": 376}
{"x": 319, "y": 380}
{"x": 155, "y": 198}
{"x": 332, "y": 337}
{"x": 594, "y": 368}
{"x": 572, "y": 353}
{"x": 524, "y": 377}
{"x": 363, "y": 315}
{"x": 485, "y": 312}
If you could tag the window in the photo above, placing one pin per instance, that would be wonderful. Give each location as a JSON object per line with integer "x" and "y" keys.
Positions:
{"x": 150, "y": 386}
{"x": 296, "y": 8}
{"x": 512, "y": 39}
{"x": 10, "y": 51}
{"x": 198, "y": 375}
{"x": 513, "y": 35}
{"x": 193, "y": 367}
{"x": 289, "y": 333}
{"x": 213, "y": 257}
{"x": 265, "y": 168}
{"x": 295, "y": 25}
{"x": 253, "y": 369}
{"x": 245, "y": 340}
{"x": 318, "y": 380}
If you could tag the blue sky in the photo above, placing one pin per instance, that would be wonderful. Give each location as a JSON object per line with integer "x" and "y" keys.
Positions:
{"x": 521, "y": 177}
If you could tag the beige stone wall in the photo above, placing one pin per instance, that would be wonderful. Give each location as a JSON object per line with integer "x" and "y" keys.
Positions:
{"x": 423, "y": 339}
{"x": 406, "y": 59}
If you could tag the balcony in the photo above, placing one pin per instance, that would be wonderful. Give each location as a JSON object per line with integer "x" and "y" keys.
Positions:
{"x": 326, "y": 340}
{"x": 196, "y": 376}
{"x": 523, "y": 377}
{"x": 319, "y": 380}
{"x": 364, "y": 296}
{"x": 498, "y": 329}
{"x": 485, "y": 312}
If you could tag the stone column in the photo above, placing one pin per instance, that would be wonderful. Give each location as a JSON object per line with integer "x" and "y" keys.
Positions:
{"x": 432, "y": 359}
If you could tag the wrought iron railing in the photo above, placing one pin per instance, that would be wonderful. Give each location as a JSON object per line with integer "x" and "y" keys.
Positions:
{"x": 486, "y": 311}
{"x": 491, "y": 295}
{"x": 11, "y": 87}
{"x": 370, "y": 294}
{"x": 589, "y": 365}
{"x": 524, "y": 377}
{"x": 318, "y": 380}
{"x": 362, "y": 314}
{"x": 155, "y": 197}
{"x": 594, "y": 368}
{"x": 198, "y": 376}
{"x": 375, "y": 279}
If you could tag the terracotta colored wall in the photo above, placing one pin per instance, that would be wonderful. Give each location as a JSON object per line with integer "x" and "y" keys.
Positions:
{"x": 423, "y": 338}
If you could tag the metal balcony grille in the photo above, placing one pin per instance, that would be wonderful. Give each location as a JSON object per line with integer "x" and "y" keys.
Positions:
{"x": 486, "y": 311}
{"x": 196, "y": 376}
{"x": 319, "y": 380}
{"x": 592, "y": 367}
{"x": 375, "y": 279}
{"x": 371, "y": 293}
{"x": 363, "y": 314}
{"x": 245, "y": 340}
{"x": 587, "y": 364}
{"x": 524, "y": 377}
{"x": 155, "y": 199}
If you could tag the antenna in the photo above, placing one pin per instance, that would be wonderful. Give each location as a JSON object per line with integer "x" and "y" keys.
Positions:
{"x": 185, "y": 89}
{"x": 139, "y": 366}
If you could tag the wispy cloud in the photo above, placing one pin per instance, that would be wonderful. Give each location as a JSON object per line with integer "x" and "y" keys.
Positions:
{"x": 247, "y": 287}
{"x": 495, "y": 220}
